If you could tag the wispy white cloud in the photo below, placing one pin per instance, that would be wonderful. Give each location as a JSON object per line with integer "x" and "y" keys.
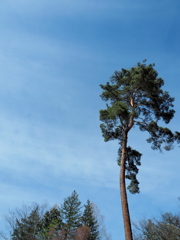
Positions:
{"x": 66, "y": 7}
{"x": 34, "y": 150}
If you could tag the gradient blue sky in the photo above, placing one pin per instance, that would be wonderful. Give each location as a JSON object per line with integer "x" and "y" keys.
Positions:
{"x": 53, "y": 56}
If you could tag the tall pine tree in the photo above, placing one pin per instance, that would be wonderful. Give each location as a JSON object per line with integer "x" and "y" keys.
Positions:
{"x": 135, "y": 98}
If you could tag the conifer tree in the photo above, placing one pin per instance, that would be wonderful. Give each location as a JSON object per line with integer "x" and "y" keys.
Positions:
{"x": 51, "y": 220}
{"x": 135, "y": 98}
{"x": 71, "y": 213}
{"x": 89, "y": 220}
{"x": 27, "y": 228}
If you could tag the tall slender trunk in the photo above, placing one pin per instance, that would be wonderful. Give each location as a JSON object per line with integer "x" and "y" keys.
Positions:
{"x": 123, "y": 193}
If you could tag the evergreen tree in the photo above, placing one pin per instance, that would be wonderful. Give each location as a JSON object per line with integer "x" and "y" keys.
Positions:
{"x": 135, "y": 98}
{"x": 52, "y": 220}
{"x": 89, "y": 220}
{"x": 27, "y": 228}
{"x": 71, "y": 213}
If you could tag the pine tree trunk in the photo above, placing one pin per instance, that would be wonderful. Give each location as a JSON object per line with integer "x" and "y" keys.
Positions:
{"x": 123, "y": 193}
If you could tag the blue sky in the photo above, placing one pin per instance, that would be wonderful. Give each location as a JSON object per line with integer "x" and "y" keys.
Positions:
{"x": 53, "y": 56}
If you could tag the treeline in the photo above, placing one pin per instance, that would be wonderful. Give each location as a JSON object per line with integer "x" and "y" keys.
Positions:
{"x": 74, "y": 221}
{"x": 70, "y": 221}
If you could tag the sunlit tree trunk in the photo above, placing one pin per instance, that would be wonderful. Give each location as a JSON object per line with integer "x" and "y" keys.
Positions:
{"x": 123, "y": 193}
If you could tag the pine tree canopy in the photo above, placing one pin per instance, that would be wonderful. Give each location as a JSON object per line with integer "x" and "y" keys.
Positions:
{"x": 135, "y": 98}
